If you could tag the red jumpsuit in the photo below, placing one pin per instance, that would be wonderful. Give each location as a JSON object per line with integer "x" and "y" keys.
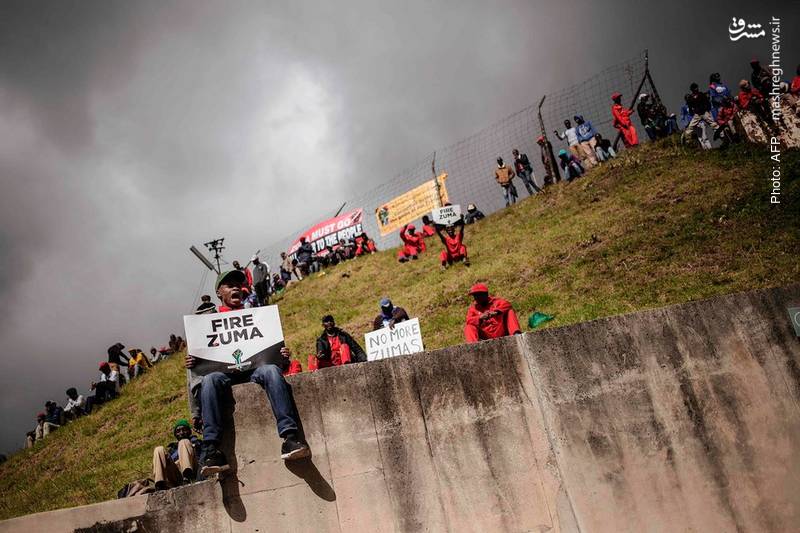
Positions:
{"x": 454, "y": 249}
{"x": 746, "y": 96}
{"x": 622, "y": 122}
{"x": 340, "y": 353}
{"x": 427, "y": 231}
{"x": 725, "y": 114}
{"x": 413, "y": 245}
{"x": 504, "y": 322}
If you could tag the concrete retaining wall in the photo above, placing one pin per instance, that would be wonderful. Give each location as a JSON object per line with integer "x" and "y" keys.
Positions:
{"x": 685, "y": 418}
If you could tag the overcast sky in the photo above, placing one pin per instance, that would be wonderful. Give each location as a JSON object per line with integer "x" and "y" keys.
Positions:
{"x": 130, "y": 130}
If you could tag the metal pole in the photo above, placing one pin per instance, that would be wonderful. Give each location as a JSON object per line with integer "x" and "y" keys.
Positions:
{"x": 438, "y": 199}
{"x": 547, "y": 146}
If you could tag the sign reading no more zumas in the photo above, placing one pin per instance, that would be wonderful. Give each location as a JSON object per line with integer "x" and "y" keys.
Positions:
{"x": 404, "y": 338}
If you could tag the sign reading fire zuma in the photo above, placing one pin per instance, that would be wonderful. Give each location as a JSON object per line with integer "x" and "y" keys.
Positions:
{"x": 235, "y": 341}
{"x": 330, "y": 232}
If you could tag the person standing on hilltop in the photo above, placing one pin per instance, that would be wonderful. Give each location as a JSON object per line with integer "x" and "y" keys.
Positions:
{"x": 571, "y": 135}
{"x": 248, "y": 275}
{"x": 207, "y": 393}
{"x": 261, "y": 280}
{"x": 586, "y": 142}
{"x": 524, "y": 170}
{"x": 503, "y": 176}
{"x": 700, "y": 109}
{"x": 622, "y": 121}
{"x": 489, "y": 317}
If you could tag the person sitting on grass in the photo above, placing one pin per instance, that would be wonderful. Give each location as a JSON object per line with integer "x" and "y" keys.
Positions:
{"x": 337, "y": 347}
{"x": 106, "y": 389}
{"x": 176, "y": 464}
{"x": 389, "y": 316}
{"x": 473, "y": 214}
{"x": 43, "y": 427}
{"x": 489, "y": 317}
{"x": 413, "y": 244}
{"x": 428, "y": 230}
{"x": 570, "y": 165}
{"x": 55, "y": 413}
{"x": 76, "y": 404}
{"x": 207, "y": 393}
{"x": 454, "y": 249}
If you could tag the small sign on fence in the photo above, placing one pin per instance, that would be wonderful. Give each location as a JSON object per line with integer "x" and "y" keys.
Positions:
{"x": 404, "y": 338}
{"x": 446, "y": 215}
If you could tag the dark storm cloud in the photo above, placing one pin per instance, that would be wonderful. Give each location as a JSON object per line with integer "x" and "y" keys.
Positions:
{"x": 130, "y": 130}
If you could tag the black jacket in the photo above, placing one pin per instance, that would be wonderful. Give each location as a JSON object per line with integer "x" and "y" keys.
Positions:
{"x": 698, "y": 103}
{"x": 324, "y": 347}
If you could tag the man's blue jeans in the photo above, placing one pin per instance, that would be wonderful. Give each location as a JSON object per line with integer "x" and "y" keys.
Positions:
{"x": 216, "y": 388}
{"x": 530, "y": 184}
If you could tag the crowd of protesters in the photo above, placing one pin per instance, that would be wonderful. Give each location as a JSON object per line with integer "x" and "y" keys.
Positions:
{"x": 708, "y": 116}
{"x": 105, "y": 389}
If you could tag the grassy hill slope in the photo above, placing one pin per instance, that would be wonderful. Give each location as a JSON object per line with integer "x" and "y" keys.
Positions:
{"x": 660, "y": 225}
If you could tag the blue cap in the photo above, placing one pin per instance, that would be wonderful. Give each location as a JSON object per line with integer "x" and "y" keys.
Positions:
{"x": 386, "y": 302}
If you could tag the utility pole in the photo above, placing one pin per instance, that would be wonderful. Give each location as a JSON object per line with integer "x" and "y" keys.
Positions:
{"x": 216, "y": 247}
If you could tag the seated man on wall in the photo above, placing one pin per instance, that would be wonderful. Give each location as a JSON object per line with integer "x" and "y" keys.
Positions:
{"x": 489, "y": 317}
{"x": 176, "y": 464}
{"x": 207, "y": 393}
{"x": 337, "y": 347}
{"x": 389, "y": 316}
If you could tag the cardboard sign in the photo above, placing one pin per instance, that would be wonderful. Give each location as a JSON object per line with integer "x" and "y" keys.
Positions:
{"x": 387, "y": 342}
{"x": 235, "y": 341}
{"x": 330, "y": 232}
{"x": 411, "y": 205}
{"x": 447, "y": 215}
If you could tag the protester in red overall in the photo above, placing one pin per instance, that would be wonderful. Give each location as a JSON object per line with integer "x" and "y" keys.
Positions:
{"x": 336, "y": 347}
{"x": 454, "y": 249}
{"x": 413, "y": 244}
{"x": 294, "y": 368}
{"x": 428, "y": 230}
{"x": 622, "y": 121}
{"x": 489, "y": 317}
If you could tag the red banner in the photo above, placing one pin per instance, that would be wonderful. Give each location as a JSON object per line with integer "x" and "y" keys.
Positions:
{"x": 328, "y": 233}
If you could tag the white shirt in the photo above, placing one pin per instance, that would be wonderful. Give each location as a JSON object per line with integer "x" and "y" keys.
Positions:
{"x": 112, "y": 376}
{"x": 80, "y": 401}
{"x": 571, "y": 135}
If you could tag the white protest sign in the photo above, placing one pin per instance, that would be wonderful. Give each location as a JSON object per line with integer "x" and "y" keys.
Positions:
{"x": 404, "y": 338}
{"x": 235, "y": 341}
{"x": 447, "y": 215}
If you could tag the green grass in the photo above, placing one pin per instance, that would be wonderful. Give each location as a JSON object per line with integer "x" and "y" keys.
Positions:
{"x": 671, "y": 225}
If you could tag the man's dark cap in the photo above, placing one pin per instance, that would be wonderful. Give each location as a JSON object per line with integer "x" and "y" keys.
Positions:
{"x": 231, "y": 275}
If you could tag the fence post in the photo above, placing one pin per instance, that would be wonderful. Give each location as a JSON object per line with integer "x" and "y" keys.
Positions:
{"x": 547, "y": 146}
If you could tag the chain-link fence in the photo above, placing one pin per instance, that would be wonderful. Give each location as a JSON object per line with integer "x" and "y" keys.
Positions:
{"x": 470, "y": 163}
